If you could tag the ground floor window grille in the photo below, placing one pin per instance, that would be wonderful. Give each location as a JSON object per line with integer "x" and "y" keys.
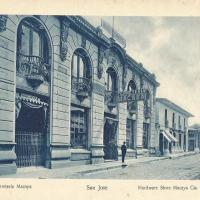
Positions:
{"x": 145, "y": 135}
{"x": 130, "y": 133}
{"x": 78, "y": 128}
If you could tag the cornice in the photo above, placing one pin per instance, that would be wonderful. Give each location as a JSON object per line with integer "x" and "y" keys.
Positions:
{"x": 81, "y": 25}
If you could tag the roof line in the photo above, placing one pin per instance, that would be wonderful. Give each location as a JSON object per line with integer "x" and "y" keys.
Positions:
{"x": 174, "y": 106}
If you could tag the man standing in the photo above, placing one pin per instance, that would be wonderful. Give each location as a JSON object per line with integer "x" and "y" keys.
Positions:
{"x": 123, "y": 149}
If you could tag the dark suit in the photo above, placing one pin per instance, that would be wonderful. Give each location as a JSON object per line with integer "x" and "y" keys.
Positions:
{"x": 123, "y": 149}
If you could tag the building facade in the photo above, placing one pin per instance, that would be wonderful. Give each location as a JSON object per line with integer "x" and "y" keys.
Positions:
{"x": 194, "y": 139}
{"x": 171, "y": 126}
{"x": 70, "y": 95}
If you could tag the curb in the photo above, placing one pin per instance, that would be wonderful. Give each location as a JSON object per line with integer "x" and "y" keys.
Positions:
{"x": 180, "y": 156}
{"x": 105, "y": 168}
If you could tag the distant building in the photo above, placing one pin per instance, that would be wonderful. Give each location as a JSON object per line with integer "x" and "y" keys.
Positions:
{"x": 69, "y": 95}
{"x": 194, "y": 138}
{"x": 171, "y": 126}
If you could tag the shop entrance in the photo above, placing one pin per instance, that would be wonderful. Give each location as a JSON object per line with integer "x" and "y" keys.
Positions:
{"x": 31, "y": 134}
{"x": 110, "y": 139}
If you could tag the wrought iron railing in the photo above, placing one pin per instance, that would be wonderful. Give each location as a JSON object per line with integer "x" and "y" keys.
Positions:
{"x": 147, "y": 112}
{"x": 33, "y": 68}
{"x": 111, "y": 98}
{"x": 81, "y": 86}
{"x": 30, "y": 148}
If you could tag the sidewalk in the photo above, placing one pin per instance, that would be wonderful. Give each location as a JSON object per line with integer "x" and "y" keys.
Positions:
{"x": 70, "y": 172}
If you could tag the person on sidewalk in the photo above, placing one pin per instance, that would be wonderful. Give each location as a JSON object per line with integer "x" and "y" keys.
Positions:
{"x": 123, "y": 149}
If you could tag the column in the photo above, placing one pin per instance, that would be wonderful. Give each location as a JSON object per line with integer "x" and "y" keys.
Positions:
{"x": 139, "y": 127}
{"x": 196, "y": 143}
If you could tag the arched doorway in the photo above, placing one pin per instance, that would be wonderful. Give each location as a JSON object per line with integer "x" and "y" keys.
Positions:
{"x": 33, "y": 80}
{"x": 110, "y": 120}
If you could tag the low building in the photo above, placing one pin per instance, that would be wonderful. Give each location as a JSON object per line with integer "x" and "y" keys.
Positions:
{"x": 70, "y": 95}
{"x": 194, "y": 138}
{"x": 171, "y": 126}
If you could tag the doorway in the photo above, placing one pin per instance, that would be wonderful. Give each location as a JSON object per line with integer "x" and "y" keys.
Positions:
{"x": 110, "y": 140}
{"x": 31, "y": 135}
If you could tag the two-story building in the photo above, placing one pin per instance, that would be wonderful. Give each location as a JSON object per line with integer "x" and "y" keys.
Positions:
{"x": 171, "y": 126}
{"x": 70, "y": 95}
{"x": 194, "y": 138}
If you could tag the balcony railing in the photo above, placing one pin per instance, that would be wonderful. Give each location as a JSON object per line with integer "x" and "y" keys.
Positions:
{"x": 166, "y": 124}
{"x": 147, "y": 112}
{"x": 81, "y": 86}
{"x": 33, "y": 68}
{"x": 111, "y": 99}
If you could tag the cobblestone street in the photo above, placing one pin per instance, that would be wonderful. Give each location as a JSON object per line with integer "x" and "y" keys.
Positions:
{"x": 184, "y": 168}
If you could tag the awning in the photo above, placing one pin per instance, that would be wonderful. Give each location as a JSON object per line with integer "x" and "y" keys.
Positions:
{"x": 171, "y": 136}
{"x": 166, "y": 136}
{"x": 30, "y": 99}
{"x": 76, "y": 109}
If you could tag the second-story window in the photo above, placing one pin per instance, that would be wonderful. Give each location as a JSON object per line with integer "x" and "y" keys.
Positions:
{"x": 31, "y": 41}
{"x": 166, "y": 119}
{"x": 79, "y": 66}
{"x": 131, "y": 105}
{"x": 173, "y": 121}
{"x": 33, "y": 52}
{"x": 80, "y": 74}
{"x": 147, "y": 105}
{"x": 111, "y": 80}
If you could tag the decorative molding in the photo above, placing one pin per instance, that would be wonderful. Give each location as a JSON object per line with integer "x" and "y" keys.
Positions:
{"x": 98, "y": 89}
{"x": 141, "y": 82}
{"x": 125, "y": 68}
{"x": 63, "y": 39}
{"x": 83, "y": 42}
{"x": 34, "y": 69}
{"x": 3, "y": 22}
{"x": 100, "y": 62}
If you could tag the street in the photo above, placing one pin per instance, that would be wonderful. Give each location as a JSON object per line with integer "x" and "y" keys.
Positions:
{"x": 184, "y": 168}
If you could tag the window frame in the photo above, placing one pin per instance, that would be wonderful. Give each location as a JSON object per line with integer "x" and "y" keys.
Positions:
{"x": 86, "y": 70}
{"x": 78, "y": 119}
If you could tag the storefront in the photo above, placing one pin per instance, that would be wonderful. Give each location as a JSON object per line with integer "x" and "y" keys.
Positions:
{"x": 172, "y": 127}
{"x": 70, "y": 95}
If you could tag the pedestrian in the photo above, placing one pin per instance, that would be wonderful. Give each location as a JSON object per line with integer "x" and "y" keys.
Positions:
{"x": 123, "y": 149}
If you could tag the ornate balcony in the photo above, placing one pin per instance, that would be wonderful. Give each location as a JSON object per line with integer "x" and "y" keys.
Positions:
{"x": 147, "y": 112}
{"x": 111, "y": 99}
{"x": 81, "y": 86}
{"x": 132, "y": 107}
{"x": 34, "y": 69}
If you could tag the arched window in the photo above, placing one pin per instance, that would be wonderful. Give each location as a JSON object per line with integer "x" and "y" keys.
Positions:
{"x": 80, "y": 65}
{"x": 147, "y": 105}
{"x": 131, "y": 86}
{"x": 33, "y": 59}
{"x": 32, "y": 40}
{"x": 131, "y": 106}
{"x": 80, "y": 74}
{"x": 111, "y": 80}
{"x": 147, "y": 102}
{"x": 130, "y": 124}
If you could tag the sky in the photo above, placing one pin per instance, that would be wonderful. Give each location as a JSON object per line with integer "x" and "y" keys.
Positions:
{"x": 169, "y": 47}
